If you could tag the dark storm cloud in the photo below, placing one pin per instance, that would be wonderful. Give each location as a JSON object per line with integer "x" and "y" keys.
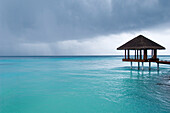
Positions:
{"x": 32, "y": 21}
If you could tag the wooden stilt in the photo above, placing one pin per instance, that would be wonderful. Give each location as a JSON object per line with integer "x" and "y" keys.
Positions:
{"x": 138, "y": 65}
{"x": 158, "y": 66}
{"x": 142, "y": 66}
{"x": 149, "y": 65}
{"x": 131, "y": 65}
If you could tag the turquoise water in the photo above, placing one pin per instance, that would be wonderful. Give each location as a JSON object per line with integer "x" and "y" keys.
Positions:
{"x": 81, "y": 85}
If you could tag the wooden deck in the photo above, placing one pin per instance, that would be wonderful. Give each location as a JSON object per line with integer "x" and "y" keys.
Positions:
{"x": 148, "y": 60}
{"x": 140, "y": 60}
{"x": 163, "y": 62}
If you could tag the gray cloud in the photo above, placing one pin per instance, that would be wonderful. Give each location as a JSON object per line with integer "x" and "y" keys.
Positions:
{"x": 42, "y": 21}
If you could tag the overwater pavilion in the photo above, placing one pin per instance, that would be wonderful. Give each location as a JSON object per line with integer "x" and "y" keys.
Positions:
{"x": 140, "y": 45}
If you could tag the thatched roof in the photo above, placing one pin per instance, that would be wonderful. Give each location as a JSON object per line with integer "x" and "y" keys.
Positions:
{"x": 140, "y": 42}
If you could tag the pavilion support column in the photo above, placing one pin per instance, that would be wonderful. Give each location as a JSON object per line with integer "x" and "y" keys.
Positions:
{"x": 142, "y": 65}
{"x": 137, "y": 55}
{"x": 155, "y": 54}
{"x": 125, "y": 53}
{"x": 140, "y": 54}
{"x": 149, "y": 65}
{"x": 145, "y": 54}
{"x": 152, "y": 53}
{"x": 138, "y": 65}
{"x": 128, "y": 54}
{"x": 131, "y": 65}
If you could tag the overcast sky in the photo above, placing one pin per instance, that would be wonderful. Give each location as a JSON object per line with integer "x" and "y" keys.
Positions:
{"x": 80, "y": 27}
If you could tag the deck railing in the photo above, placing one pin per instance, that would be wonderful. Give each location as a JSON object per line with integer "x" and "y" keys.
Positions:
{"x": 163, "y": 62}
{"x": 140, "y": 60}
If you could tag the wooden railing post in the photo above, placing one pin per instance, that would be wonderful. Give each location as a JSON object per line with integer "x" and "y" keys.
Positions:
{"x": 145, "y": 54}
{"x": 155, "y": 54}
{"x": 137, "y": 54}
{"x": 140, "y": 54}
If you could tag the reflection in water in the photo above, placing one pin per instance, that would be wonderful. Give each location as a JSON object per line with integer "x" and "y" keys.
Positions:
{"x": 148, "y": 86}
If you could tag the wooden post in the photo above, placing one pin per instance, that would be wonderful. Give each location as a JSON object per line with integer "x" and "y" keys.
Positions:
{"x": 138, "y": 65}
{"x": 137, "y": 55}
{"x": 149, "y": 65}
{"x": 140, "y": 54}
{"x": 145, "y": 54}
{"x": 128, "y": 54}
{"x": 155, "y": 54}
{"x": 142, "y": 66}
{"x": 158, "y": 66}
{"x": 152, "y": 53}
{"x": 131, "y": 65}
{"x": 125, "y": 53}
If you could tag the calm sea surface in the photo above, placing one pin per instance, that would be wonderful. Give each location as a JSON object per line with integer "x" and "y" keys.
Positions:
{"x": 82, "y": 85}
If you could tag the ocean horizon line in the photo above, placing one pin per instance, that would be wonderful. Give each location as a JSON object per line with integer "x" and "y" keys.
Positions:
{"x": 74, "y": 56}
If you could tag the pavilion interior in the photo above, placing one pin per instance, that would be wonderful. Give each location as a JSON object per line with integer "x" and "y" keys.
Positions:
{"x": 145, "y": 55}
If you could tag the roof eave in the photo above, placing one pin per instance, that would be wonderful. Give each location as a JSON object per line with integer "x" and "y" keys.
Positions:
{"x": 142, "y": 48}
